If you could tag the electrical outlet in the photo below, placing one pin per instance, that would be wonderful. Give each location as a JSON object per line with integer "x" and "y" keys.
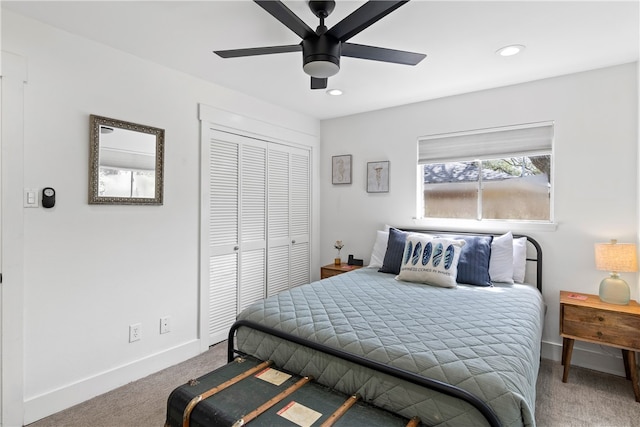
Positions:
{"x": 164, "y": 325}
{"x": 134, "y": 332}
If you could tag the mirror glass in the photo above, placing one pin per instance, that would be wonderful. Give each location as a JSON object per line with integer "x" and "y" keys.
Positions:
{"x": 126, "y": 163}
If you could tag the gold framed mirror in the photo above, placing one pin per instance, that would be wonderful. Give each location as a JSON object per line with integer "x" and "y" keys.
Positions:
{"x": 126, "y": 163}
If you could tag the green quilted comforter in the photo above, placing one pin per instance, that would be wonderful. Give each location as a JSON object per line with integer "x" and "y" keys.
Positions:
{"x": 483, "y": 340}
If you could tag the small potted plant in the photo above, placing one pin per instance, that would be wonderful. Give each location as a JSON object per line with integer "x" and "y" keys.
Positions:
{"x": 338, "y": 245}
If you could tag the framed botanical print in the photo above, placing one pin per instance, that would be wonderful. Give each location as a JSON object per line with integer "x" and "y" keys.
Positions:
{"x": 378, "y": 177}
{"x": 341, "y": 169}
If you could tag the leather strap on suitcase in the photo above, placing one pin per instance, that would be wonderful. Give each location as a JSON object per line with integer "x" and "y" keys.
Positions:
{"x": 414, "y": 422}
{"x": 341, "y": 411}
{"x": 192, "y": 404}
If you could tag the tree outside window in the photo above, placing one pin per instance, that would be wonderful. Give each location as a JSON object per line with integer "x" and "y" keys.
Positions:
{"x": 508, "y": 188}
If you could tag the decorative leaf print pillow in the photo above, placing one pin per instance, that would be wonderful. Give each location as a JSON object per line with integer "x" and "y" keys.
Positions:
{"x": 430, "y": 260}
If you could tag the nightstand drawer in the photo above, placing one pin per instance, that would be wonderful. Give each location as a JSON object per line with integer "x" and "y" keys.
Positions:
{"x": 329, "y": 273}
{"x": 608, "y": 327}
{"x": 331, "y": 270}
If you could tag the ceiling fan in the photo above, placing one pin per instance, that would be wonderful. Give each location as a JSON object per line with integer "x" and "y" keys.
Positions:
{"x": 322, "y": 48}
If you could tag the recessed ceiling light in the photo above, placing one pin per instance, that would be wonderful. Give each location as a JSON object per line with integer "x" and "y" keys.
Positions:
{"x": 334, "y": 92}
{"x": 510, "y": 50}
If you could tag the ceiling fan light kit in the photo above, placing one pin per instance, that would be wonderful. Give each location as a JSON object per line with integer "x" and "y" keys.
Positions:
{"x": 321, "y": 57}
{"x": 322, "y": 48}
{"x": 322, "y": 69}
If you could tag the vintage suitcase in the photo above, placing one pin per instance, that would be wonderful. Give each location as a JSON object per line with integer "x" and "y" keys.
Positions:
{"x": 249, "y": 391}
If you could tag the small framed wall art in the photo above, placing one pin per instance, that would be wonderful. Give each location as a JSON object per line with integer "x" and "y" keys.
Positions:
{"x": 341, "y": 169}
{"x": 378, "y": 177}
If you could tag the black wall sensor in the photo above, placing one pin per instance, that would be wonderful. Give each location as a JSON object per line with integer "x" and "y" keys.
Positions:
{"x": 48, "y": 197}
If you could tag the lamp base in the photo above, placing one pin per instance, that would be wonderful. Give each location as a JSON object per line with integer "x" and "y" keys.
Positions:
{"x": 614, "y": 290}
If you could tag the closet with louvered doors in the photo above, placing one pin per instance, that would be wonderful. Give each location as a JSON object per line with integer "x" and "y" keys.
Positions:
{"x": 259, "y": 222}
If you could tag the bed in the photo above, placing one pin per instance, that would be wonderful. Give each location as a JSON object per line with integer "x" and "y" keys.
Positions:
{"x": 462, "y": 355}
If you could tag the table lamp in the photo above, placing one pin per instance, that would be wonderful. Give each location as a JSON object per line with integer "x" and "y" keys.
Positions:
{"x": 615, "y": 257}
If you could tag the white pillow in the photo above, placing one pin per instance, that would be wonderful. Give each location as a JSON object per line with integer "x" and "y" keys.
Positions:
{"x": 501, "y": 261}
{"x": 379, "y": 249}
{"x": 519, "y": 259}
{"x": 430, "y": 260}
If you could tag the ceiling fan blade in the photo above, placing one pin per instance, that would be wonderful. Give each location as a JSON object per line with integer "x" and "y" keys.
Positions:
{"x": 282, "y": 13}
{"x": 381, "y": 54}
{"x": 252, "y": 51}
{"x": 363, "y": 17}
{"x": 317, "y": 83}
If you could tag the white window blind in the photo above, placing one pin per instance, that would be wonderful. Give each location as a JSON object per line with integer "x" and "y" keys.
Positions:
{"x": 529, "y": 139}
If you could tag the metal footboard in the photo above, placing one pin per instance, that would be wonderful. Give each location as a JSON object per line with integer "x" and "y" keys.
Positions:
{"x": 432, "y": 384}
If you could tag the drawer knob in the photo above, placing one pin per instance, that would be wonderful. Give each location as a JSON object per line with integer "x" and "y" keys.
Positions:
{"x": 599, "y": 334}
{"x": 600, "y": 318}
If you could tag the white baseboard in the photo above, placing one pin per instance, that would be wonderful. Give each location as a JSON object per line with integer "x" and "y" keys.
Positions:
{"x": 45, "y": 404}
{"x": 591, "y": 356}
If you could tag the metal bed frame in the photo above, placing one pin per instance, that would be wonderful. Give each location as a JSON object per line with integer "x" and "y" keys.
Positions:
{"x": 486, "y": 411}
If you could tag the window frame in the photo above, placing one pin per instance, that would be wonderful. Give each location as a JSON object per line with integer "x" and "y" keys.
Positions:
{"x": 484, "y": 223}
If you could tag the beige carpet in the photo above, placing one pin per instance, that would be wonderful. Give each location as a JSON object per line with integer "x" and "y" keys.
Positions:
{"x": 142, "y": 403}
{"x": 589, "y": 399}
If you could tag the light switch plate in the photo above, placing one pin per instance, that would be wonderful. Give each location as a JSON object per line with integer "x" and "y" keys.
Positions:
{"x": 30, "y": 198}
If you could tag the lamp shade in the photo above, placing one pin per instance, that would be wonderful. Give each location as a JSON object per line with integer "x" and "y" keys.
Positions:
{"x": 616, "y": 257}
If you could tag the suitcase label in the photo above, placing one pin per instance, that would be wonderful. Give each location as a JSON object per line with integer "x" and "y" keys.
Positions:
{"x": 273, "y": 376}
{"x": 299, "y": 414}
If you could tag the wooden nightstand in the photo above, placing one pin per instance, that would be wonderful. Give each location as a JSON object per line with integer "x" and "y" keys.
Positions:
{"x": 584, "y": 317}
{"x": 333, "y": 270}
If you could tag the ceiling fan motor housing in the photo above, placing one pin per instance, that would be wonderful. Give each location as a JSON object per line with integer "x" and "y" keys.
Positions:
{"x": 321, "y": 56}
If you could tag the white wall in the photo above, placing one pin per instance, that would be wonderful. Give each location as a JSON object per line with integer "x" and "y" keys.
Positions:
{"x": 91, "y": 271}
{"x": 596, "y": 183}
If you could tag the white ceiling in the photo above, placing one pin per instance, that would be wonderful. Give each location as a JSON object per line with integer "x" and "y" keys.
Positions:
{"x": 459, "y": 39}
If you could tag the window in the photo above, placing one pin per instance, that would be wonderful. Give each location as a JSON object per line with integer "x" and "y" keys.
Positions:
{"x": 494, "y": 174}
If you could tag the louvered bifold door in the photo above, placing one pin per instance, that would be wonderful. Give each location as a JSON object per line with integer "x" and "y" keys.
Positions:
{"x": 278, "y": 221}
{"x": 253, "y": 227}
{"x": 223, "y": 237}
{"x": 299, "y": 225}
{"x": 237, "y": 228}
{"x": 288, "y": 190}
